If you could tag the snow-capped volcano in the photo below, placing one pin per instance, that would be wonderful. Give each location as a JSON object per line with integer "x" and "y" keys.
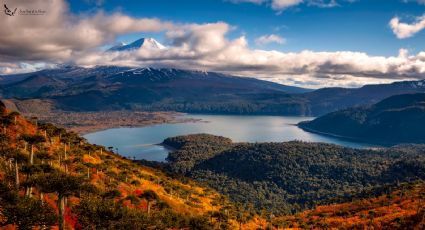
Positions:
{"x": 145, "y": 43}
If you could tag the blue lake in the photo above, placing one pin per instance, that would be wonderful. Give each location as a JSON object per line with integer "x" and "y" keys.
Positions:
{"x": 141, "y": 143}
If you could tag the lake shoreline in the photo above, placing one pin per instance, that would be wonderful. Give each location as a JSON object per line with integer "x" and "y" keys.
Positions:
{"x": 90, "y": 130}
{"x": 138, "y": 141}
{"x": 354, "y": 139}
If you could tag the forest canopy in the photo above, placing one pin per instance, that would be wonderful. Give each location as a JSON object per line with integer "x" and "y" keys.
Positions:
{"x": 293, "y": 176}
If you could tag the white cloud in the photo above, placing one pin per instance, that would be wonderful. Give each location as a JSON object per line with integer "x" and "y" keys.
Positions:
{"x": 275, "y": 4}
{"x": 206, "y": 47}
{"x": 59, "y": 35}
{"x": 283, "y": 4}
{"x": 280, "y": 5}
{"x": 271, "y": 38}
{"x": 405, "y": 30}
{"x": 323, "y": 3}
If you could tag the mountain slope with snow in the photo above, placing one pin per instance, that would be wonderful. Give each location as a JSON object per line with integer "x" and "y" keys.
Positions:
{"x": 142, "y": 43}
{"x": 165, "y": 89}
{"x": 108, "y": 88}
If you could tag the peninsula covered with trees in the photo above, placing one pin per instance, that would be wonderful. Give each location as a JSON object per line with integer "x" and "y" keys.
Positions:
{"x": 293, "y": 176}
{"x": 397, "y": 119}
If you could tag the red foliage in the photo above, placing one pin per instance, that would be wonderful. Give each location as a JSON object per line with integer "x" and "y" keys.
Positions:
{"x": 70, "y": 218}
{"x": 138, "y": 192}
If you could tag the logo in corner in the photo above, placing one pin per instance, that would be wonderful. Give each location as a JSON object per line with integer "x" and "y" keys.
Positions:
{"x": 7, "y": 11}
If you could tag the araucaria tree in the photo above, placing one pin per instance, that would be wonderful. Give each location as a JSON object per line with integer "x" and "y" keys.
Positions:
{"x": 150, "y": 196}
{"x": 33, "y": 140}
{"x": 63, "y": 185}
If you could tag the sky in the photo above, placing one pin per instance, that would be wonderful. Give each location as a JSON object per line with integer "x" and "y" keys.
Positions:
{"x": 308, "y": 43}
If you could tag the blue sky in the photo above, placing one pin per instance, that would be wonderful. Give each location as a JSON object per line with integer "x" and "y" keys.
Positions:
{"x": 309, "y": 43}
{"x": 352, "y": 26}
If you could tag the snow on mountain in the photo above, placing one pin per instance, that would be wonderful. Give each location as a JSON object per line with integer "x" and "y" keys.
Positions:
{"x": 143, "y": 43}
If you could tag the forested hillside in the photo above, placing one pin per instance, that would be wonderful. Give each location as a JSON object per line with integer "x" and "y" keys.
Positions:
{"x": 397, "y": 119}
{"x": 50, "y": 177}
{"x": 293, "y": 176}
{"x": 401, "y": 208}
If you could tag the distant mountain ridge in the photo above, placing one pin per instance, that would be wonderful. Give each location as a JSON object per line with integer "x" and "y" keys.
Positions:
{"x": 168, "y": 89}
{"x": 111, "y": 87}
{"x": 397, "y": 119}
{"x": 327, "y": 100}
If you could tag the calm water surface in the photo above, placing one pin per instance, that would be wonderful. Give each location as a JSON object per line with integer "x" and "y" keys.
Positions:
{"x": 141, "y": 143}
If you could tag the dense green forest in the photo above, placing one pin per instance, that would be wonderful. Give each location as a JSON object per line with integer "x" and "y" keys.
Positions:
{"x": 397, "y": 119}
{"x": 292, "y": 176}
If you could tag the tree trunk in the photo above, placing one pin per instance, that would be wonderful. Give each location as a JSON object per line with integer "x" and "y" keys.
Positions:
{"x": 65, "y": 151}
{"x": 61, "y": 207}
{"x": 16, "y": 175}
{"x": 149, "y": 208}
{"x": 32, "y": 155}
{"x": 30, "y": 192}
{"x": 28, "y": 189}
{"x": 65, "y": 158}
{"x": 60, "y": 158}
{"x": 31, "y": 163}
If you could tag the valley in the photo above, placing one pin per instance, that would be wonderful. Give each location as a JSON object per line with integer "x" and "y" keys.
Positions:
{"x": 105, "y": 190}
{"x": 206, "y": 150}
{"x": 212, "y": 115}
{"x": 143, "y": 142}
{"x": 54, "y": 178}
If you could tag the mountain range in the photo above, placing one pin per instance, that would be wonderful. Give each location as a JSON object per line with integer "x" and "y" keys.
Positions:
{"x": 110, "y": 87}
{"x": 99, "y": 88}
{"x": 331, "y": 99}
{"x": 113, "y": 87}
